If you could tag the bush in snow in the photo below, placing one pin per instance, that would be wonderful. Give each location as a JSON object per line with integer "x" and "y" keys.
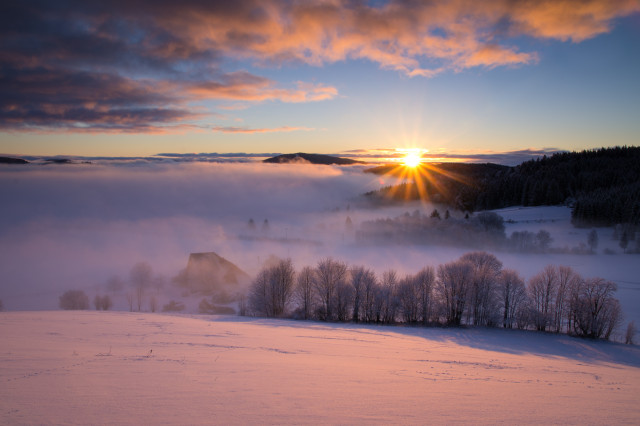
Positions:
{"x": 74, "y": 300}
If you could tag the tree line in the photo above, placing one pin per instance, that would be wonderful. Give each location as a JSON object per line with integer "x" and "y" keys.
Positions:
{"x": 473, "y": 290}
{"x": 601, "y": 185}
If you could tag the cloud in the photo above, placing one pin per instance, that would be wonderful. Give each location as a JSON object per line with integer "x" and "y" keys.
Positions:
{"x": 143, "y": 66}
{"x": 241, "y": 85}
{"x": 75, "y": 225}
{"x": 509, "y": 158}
{"x": 262, "y": 130}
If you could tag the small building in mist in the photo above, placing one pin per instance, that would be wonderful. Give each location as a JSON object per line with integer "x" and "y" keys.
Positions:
{"x": 209, "y": 274}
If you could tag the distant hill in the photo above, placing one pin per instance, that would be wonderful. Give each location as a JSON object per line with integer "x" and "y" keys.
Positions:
{"x": 211, "y": 274}
{"x": 10, "y": 160}
{"x": 312, "y": 159}
{"x": 602, "y": 185}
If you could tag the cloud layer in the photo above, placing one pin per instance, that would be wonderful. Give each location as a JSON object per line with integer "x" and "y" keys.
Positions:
{"x": 146, "y": 66}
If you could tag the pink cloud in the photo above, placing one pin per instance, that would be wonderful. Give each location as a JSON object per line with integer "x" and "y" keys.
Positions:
{"x": 231, "y": 129}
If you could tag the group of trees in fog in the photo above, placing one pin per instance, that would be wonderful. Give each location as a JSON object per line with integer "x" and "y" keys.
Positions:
{"x": 482, "y": 229}
{"x": 74, "y": 300}
{"x": 473, "y": 290}
{"x": 137, "y": 291}
{"x": 478, "y": 230}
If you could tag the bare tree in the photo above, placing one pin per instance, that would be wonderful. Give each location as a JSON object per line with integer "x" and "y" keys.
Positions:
{"x": 281, "y": 281}
{"x": 513, "y": 295}
{"x": 259, "y": 295}
{"x": 542, "y": 289}
{"x": 486, "y": 270}
{"x": 425, "y": 280}
{"x": 543, "y": 240}
{"x": 370, "y": 291}
{"x": 153, "y": 304}
{"x": 140, "y": 275}
{"x": 389, "y": 294}
{"x": 357, "y": 280}
{"x": 568, "y": 279}
{"x": 303, "y": 292}
{"x": 115, "y": 284}
{"x": 272, "y": 289}
{"x": 597, "y": 313}
{"x": 454, "y": 281}
{"x": 343, "y": 301}
{"x": 631, "y": 332}
{"x": 409, "y": 299}
{"x": 130, "y": 300}
{"x": 328, "y": 275}
{"x": 158, "y": 283}
{"x": 592, "y": 240}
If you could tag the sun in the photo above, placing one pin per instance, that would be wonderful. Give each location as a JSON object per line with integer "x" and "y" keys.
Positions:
{"x": 411, "y": 160}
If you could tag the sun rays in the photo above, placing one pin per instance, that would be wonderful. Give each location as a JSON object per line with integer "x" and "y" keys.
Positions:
{"x": 421, "y": 180}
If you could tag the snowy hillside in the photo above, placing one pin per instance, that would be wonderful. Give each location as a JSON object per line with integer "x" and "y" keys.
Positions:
{"x": 125, "y": 368}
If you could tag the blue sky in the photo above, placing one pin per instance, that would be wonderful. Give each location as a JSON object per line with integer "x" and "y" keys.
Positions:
{"x": 121, "y": 79}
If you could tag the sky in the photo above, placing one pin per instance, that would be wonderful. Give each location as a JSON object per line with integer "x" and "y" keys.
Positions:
{"x": 357, "y": 78}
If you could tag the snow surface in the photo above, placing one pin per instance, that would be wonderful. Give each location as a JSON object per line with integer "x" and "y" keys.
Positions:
{"x": 141, "y": 368}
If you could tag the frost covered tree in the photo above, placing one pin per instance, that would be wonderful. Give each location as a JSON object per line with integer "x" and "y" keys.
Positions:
{"x": 343, "y": 301}
{"x": 304, "y": 294}
{"x": 329, "y": 274}
{"x": 482, "y": 295}
{"x": 425, "y": 280}
{"x": 542, "y": 290}
{"x": 513, "y": 296}
{"x": 359, "y": 276}
{"x": 271, "y": 291}
{"x": 454, "y": 282}
{"x": 389, "y": 296}
{"x": 568, "y": 280}
{"x": 596, "y": 312}
{"x": 370, "y": 297}
{"x": 409, "y": 299}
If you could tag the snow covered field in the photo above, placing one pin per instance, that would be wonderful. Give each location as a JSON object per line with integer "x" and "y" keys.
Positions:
{"x": 141, "y": 368}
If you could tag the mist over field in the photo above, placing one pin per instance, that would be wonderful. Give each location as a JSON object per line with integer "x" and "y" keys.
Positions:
{"x": 76, "y": 225}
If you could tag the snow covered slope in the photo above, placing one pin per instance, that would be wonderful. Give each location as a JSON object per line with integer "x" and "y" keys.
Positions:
{"x": 125, "y": 368}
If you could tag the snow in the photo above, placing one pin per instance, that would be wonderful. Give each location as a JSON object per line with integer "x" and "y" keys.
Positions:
{"x": 131, "y": 368}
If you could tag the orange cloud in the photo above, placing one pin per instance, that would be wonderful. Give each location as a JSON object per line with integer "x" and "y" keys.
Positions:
{"x": 574, "y": 20}
{"x": 400, "y": 35}
{"x": 83, "y": 70}
{"x": 244, "y": 86}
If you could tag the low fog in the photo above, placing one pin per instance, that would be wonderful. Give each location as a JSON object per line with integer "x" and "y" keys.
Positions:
{"x": 75, "y": 226}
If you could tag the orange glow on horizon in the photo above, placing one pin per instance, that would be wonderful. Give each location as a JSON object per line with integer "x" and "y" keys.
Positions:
{"x": 412, "y": 160}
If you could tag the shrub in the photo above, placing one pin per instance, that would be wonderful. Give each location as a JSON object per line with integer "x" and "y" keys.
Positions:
{"x": 103, "y": 303}
{"x": 74, "y": 300}
{"x": 173, "y": 306}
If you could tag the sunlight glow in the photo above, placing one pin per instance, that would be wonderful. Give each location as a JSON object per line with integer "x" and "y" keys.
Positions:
{"x": 411, "y": 160}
